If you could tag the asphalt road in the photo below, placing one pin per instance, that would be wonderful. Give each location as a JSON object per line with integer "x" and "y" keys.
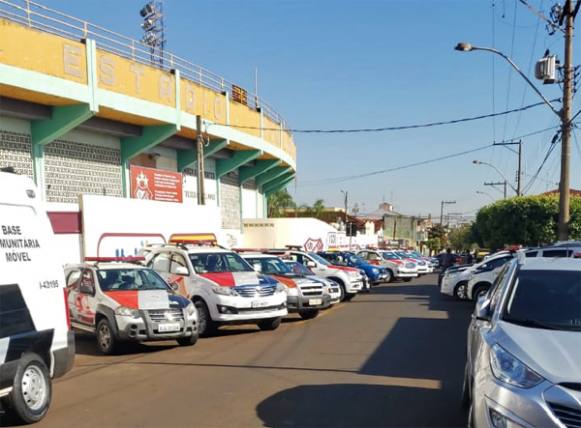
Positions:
{"x": 394, "y": 357}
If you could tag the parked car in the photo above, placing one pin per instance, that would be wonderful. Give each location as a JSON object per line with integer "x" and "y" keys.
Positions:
{"x": 36, "y": 342}
{"x": 223, "y": 286}
{"x": 483, "y": 276}
{"x": 305, "y": 296}
{"x": 396, "y": 267}
{"x": 118, "y": 301}
{"x": 561, "y": 249}
{"x": 422, "y": 265}
{"x": 349, "y": 279}
{"x": 523, "y": 356}
{"x": 331, "y": 287}
{"x": 375, "y": 274}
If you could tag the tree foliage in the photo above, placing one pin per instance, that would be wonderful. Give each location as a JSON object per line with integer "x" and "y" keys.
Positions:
{"x": 278, "y": 202}
{"x": 460, "y": 238}
{"x": 526, "y": 220}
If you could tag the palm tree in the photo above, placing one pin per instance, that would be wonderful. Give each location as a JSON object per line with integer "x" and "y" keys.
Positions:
{"x": 318, "y": 208}
{"x": 278, "y": 202}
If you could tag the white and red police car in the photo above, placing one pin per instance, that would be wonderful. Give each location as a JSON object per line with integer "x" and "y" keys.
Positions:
{"x": 224, "y": 287}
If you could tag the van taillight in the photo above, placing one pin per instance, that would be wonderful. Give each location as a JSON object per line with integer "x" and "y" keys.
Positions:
{"x": 68, "y": 312}
{"x": 577, "y": 255}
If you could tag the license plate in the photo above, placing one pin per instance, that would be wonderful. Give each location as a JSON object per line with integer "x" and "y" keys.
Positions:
{"x": 314, "y": 302}
{"x": 168, "y": 327}
{"x": 259, "y": 303}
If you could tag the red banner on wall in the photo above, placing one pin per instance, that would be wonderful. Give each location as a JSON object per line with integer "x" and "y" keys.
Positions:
{"x": 155, "y": 184}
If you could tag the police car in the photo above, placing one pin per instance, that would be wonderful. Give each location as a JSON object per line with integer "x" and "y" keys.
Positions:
{"x": 331, "y": 287}
{"x": 121, "y": 301}
{"x": 223, "y": 286}
{"x": 304, "y": 295}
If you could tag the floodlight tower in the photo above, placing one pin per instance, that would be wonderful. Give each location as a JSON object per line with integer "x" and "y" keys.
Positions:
{"x": 154, "y": 30}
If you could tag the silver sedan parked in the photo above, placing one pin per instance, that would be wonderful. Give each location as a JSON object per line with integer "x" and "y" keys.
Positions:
{"x": 524, "y": 347}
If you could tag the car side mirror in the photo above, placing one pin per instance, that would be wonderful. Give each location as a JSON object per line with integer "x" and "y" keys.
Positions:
{"x": 257, "y": 267}
{"x": 182, "y": 271}
{"x": 174, "y": 286}
{"x": 311, "y": 264}
{"x": 482, "y": 309}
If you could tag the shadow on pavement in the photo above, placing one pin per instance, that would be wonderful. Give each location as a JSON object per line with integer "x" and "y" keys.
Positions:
{"x": 355, "y": 405}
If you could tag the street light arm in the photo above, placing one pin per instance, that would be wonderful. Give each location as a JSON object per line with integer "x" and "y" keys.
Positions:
{"x": 511, "y": 62}
{"x": 499, "y": 172}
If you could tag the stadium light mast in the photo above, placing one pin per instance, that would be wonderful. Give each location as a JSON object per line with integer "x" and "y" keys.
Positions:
{"x": 154, "y": 30}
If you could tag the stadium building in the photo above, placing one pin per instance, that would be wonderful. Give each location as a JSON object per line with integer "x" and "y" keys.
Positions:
{"x": 85, "y": 111}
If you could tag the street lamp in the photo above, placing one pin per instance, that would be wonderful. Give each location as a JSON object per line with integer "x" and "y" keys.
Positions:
{"x": 486, "y": 194}
{"x": 477, "y": 162}
{"x": 467, "y": 47}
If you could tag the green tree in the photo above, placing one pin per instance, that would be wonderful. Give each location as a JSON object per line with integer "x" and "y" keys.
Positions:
{"x": 278, "y": 202}
{"x": 318, "y": 208}
{"x": 526, "y": 220}
{"x": 460, "y": 238}
{"x": 434, "y": 245}
{"x": 438, "y": 231}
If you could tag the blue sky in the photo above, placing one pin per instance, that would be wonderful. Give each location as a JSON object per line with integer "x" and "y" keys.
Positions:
{"x": 364, "y": 63}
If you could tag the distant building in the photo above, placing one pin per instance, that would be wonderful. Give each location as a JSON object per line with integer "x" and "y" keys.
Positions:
{"x": 573, "y": 192}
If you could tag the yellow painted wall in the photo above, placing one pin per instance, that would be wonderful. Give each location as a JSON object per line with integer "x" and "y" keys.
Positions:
{"x": 241, "y": 115}
{"x": 35, "y": 50}
{"x": 134, "y": 79}
{"x": 196, "y": 99}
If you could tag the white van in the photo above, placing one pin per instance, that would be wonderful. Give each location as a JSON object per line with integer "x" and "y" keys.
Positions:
{"x": 36, "y": 342}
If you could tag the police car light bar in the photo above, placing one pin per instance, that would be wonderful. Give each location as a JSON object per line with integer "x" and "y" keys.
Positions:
{"x": 127, "y": 259}
{"x": 194, "y": 239}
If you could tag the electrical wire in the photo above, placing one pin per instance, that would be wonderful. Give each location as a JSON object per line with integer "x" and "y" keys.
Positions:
{"x": 389, "y": 128}
{"x": 540, "y": 15}
{"x": 510, "y": 69}
{"x": 493, "y": 72}
{"x": 552, "y": 146}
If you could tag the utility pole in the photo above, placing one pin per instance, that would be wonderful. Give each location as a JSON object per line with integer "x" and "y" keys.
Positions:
{"x": 519, "y": 168}
{"x": 564, "y": 186}
{"x": 498, "y": 183}
{"x": 201, "y": 167}
{"x": 442, "y": 210}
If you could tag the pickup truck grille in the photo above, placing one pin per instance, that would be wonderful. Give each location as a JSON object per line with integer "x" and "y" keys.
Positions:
{"x": 255, "y": 291}
{"x": 165, "y": 315}
{"x": 311, "y": 290}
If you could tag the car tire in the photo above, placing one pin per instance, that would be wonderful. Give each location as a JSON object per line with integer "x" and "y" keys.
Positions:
{"x": 31, "y": 392}
{"x": 349, "y": 296}
{"x": 206, "y": 327}
{"x": 478, "y": 291}
{"x": 342, "y": 289}
{"x": 308, "y": 314}
{"x": 188, "y": 341}
{"x": 407, "y": 279}
{"x": 461, "y": 291}
{"x": 389, "y": 277}
{"x": 269, "y": 324}
{"x": 107, "y": 343}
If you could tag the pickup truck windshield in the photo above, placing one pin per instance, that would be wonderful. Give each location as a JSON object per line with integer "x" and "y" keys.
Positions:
{"x": 130, "y": 280}
{"x": 270, "y": 265}
{"x": 390, "y": 256}
{"x": 548, "y": 299}
{"x": 219, "y": 262}
{"x": 319, "y": 259}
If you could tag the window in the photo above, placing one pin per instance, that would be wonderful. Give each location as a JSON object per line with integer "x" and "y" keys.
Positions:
{"x": 130, "y": 280}
{"x": 270, "y": 265}
{"x": 556, "y": 253}
{"x": 73, "y": 279}
{"x": 531, "y": 253}
{"x": 161, "y": 262}
{"x": 549, "y": 299}
{"x": 87, "y": 283}
{"x": 218, "y": 262}
{"x": 497, "y": 286}
{"x": 493, "y": 264}
{"x": 177, "y": 260}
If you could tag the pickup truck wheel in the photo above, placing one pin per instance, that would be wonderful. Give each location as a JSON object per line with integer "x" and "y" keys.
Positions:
{"x": 308, "y": 314}
{"x": 106, "y": 340}
{"x": 349, "y": 297}
{"x": 388, "y": 276}
{"x": 269, "y": 324}
{"x": 188, "y": 341}
{"x": 206, "y": 327}
{"x": 407, "y": 279}
{"x": 31, "y": 392}
{"x": 479, "y": 290}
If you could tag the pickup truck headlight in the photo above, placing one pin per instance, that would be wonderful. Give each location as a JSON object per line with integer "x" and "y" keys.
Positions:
{"x": 280, "y": 288}
{"x": 124, "y": 311}
{"x": 224, "y": 291}
{"x": 509, "y": 369}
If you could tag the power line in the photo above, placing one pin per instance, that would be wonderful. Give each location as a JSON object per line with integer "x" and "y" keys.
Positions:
{"x": 552, "y": 146}
{"x": 390, "y": 128}
{"x": 540, "y": 15}
{"x": 338, "y": 180}
{"x": 510, "y": 70}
